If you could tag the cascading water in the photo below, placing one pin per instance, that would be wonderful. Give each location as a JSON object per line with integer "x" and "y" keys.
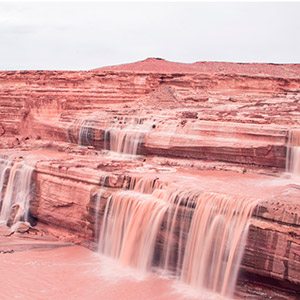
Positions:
{"x": 293, "y": 153}
{"x": 5, "y": 165}
{"x": 198, "y": 237}
{"x": 85, "y": 132}
{"x": 130, "y": 227}
{"x": 178, "y": 219}
{"x": 17, "y": 191}
{"x": 124, "y": 141}
{"x": 215, "y": 242}
{"x": 125, "y": 138}
{"x": 97, "y": 205}
{"x": 121, "y": 135}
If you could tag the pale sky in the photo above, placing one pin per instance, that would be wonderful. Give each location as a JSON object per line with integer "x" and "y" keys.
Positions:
{"x": 85, "y": 35}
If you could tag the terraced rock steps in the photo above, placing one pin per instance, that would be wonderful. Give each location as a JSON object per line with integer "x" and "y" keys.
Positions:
{"x": 224, "y": 129}
{"x": 71, "y": 187}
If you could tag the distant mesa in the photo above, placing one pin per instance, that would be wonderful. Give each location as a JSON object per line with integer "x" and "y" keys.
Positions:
{"x": 160, "y": 65}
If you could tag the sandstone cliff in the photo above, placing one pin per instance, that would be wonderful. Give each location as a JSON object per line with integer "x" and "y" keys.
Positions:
{"x": 223, "y": 126}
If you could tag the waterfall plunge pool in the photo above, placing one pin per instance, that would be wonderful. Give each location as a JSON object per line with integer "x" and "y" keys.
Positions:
{"x": 41, "y": 269}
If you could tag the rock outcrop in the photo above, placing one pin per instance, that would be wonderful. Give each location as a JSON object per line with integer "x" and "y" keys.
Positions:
{"x": 223, "y": 127}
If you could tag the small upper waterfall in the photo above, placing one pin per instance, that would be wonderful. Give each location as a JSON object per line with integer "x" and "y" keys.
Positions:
{"x": 293, "y": 153}
{"x": 123, "y": 141}
{"x": 15, "y": 187}
{"x": 121, "y": 135}
{"x": 196, "y": 236}
{"x": 125, "y": 137}
{"x": 86, "y": 132}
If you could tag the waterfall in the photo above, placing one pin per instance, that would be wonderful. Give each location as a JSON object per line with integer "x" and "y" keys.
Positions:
{"x": 5, "y": 165}
{"x": 97, "y": 206}
{"x": 121, "y": 136}
{"x": 293, "y": 153}
{"x": 197, "y": 237}
{"x": 85, "y": 132}
{"x": 214, "y": 244}
{"x": 178, "y": 219}
{"x": 17, "y": 191}
{"x": 131, "y": 223}
{"x": 124, "y": 141}
{"x": 125, "y": 137}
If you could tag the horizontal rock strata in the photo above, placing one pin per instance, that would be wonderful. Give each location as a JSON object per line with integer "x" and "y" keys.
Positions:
{"x": 272, "y": 249}
{"x": 186, "y": 121}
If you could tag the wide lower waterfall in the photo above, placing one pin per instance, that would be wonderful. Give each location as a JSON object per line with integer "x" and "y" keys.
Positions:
{"x": 130, "y": 228}
{"x": 215, "y": 242}
{"x": 293, "y": 153}
{"x": 197, "y": 237}
{"x": 15, "y": 187}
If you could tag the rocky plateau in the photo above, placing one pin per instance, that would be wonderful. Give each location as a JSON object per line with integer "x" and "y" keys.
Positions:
{"x": 219, "y": 127}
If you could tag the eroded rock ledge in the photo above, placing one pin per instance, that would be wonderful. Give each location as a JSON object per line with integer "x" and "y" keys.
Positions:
{"x": 272, "y": 249}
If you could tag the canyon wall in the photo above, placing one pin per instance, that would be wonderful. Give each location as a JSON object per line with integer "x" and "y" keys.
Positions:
{"x": 218, "y": 96}
{"x": 224, "y": 126}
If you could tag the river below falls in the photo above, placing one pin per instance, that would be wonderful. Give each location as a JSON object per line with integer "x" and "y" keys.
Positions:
{"x": 34, "y": 268}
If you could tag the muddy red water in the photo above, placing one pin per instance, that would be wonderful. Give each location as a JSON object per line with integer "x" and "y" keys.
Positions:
{"x": 41, "y": 269}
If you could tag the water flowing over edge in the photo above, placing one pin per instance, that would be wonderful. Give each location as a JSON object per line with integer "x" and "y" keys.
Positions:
{"x": 197, "y": 237}
{"x": 122, "y": 136}
{"x": 293, "y": 153}
{"x": 15, "y": 189}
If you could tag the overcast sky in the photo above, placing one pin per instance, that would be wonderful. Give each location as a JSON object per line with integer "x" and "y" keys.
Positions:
{"x": 86, "y": 35}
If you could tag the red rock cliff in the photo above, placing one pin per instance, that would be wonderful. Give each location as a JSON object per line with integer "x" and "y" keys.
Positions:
{"x": 224, "y": 125}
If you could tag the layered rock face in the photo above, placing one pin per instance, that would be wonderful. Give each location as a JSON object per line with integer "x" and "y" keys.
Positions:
{"x": 221, "y": 127}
